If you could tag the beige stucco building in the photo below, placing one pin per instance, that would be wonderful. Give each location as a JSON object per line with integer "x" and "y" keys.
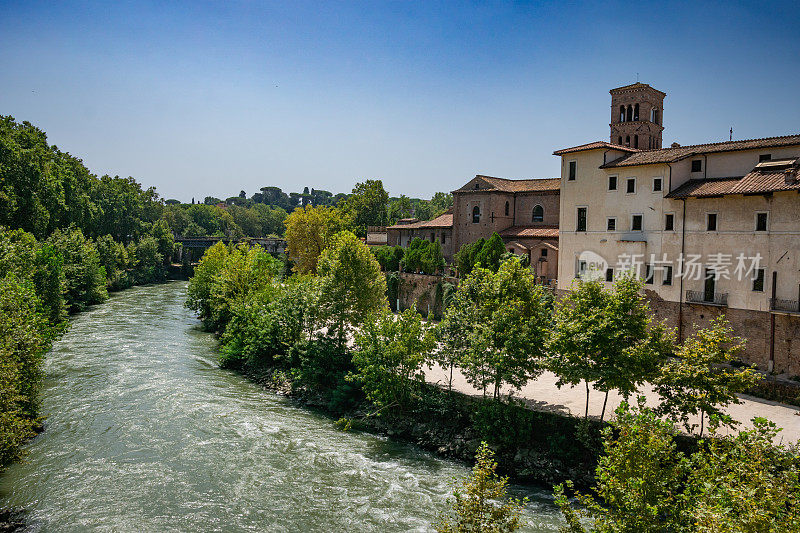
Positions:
{"x": 713, "y": 228}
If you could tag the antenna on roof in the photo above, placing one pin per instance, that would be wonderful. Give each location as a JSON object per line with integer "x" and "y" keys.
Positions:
{"x": 637, "y": 77}
{"x": 731, "y": 137}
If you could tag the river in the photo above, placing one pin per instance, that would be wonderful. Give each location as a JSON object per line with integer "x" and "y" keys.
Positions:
{"x": 145, "y": 433}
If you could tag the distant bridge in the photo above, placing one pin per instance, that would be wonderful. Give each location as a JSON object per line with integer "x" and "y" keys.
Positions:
{"x": 271, "y": 245}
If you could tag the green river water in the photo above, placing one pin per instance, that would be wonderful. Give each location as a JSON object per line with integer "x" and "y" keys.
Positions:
{"x": 145, "y": 433}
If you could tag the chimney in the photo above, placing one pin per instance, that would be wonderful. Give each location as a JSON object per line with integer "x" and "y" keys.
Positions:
{"x": 790, "y": 176}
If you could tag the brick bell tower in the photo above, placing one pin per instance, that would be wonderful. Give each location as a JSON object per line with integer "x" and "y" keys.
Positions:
{"x": 637, "y": 114}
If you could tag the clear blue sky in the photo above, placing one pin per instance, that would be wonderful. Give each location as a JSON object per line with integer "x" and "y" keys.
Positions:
{"x": 208, "y": 98}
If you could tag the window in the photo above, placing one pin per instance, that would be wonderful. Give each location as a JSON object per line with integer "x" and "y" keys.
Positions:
{"x": 622, "y": 114}
{"x": 433, "y": 237}
{"x": 654, "y": 115}
{"x": 612, "y": 183}
{"x": 636, "y": 112}
{"x": 636, "y": 141}
{"x": 477, "y": 186}
{"x": 476, "y": 214}
{"x": 630, "y": 185}
{"x": 667, "y": 276}
{"x": 538, "y": 214}
{"x": 544, "y": 252}
{"x": 669, "y": 222}
{"x": 657, "y": 182}
{"x": 764, "y": 157}
{"x": 697, "y": 165}
{"x": 627, "y": 140}
{"x": 609, "y": 274}
{"x": 758, "y": 281}
{"x": 573, "y": 170}
{"x": 761, "y": 221}
{"x": 619, "y": 140}
{"x": 636, "y": 223}
{"x": 581, "y": 219}
{"x": 444, "y": 238}
{"x": 629, "y": 114}
{"x": 611, "y": 224}
{"x": 507, "y": 205}
{"x": 648, "y": 274}
{"x": 711, "y": 222}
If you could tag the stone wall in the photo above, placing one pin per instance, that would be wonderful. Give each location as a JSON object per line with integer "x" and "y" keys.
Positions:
{"x": 419, "y": 290}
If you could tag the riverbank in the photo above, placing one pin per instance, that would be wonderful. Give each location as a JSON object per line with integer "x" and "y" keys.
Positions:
{"x": 532, "y": 447}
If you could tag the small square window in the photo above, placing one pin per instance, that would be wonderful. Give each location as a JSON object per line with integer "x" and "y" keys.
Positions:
{"x": 612, "y": 183}
{"x": 636, "y": 223}
{"x": 758, "y": 281}
{"x": 573, "y": 170}
{"x": 544, "y": 252}
{"x": 656, "y": 184}
{"x": 667, "y": 276}
{"x": 669, "y": 222}
{"x": 761, "y": 221}
{"x": 631, "y": 186}
{"x": 697, "y": 165}
{"x": 611, "y": 224}
{"x": 581, "y": 219}
{"x": 609, "y": 274}
{"x": 764, "y": 157}
{"x": 711, "y": 222}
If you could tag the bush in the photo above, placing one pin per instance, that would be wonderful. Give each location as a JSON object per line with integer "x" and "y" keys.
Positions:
{"x": 423, "y": 256}
{"x": 85, "y": 275}
{"x": 388, "y": 257}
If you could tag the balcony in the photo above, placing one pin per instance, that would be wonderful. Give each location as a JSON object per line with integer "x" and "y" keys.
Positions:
{"x": 701, "y": 297}
{"x": 784, "y": 306}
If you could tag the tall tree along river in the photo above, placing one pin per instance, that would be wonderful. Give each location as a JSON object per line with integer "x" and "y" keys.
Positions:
{"x": 145, "y": 433}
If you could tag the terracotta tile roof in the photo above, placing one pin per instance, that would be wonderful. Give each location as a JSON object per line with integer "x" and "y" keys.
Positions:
{"x": 595, "y": 146}
{"x": 670, "y": 155}
{"x": 507, "y": 185}
{"x": 760, "y": 180}
{"x": 637, "y": 85}
{"x": 540, "y": 232}
{"x": 442, "y": 221}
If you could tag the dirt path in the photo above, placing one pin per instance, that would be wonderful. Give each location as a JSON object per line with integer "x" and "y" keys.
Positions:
{"x": 543, "y": 394}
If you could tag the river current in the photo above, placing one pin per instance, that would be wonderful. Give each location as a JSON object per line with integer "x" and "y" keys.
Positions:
{"x": 145, "y": 433}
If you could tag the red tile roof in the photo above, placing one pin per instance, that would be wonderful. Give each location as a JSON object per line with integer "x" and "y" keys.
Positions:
{"x": 671, "y": 155}
{"x": 597, "y": 145}
{"x": 507, "y": 185}
{"x": 442, "y": 221}
{"x": 540, "y": 232}
{"x": 760, "y": 180}
{"x": 637, "y": 85}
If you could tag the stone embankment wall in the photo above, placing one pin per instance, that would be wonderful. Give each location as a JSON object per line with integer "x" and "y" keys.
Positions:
{"x": 424, "y": 292}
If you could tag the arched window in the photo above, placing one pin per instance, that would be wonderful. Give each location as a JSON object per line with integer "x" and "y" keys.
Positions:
{"x": 476, "y": 214}
{"x": 636, "y": 141}
{"x": 506, "y": 208}
{"x": 627, "y": 140}
{"x": 629, "y": 116}
{"x": 538, "y": 213}
{"x": 636, "y": 112}
{"x": 654, "y": 115}
{"x": 622, "y": 113}
{"x": 619, "y": 141}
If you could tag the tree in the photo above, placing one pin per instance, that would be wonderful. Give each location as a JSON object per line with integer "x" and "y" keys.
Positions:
{"x": 606, "y": 337}
{"x": 441, "y": 202}
{"x": 85, "y": 276}
{"x": 309, "y": 230}
{"x": 694, "y": 382}
{"x": 639, "y": 479}
{"x": 389, "y": 357}
{"x": 423, "y": 256}
{"x": 367, "y": 205}
{"x": 353, "y": 287}
{"x": 480, "y": 503}
{"x": 201, "y": 283}
{"x": 491, "y": 253}
{"x": 504, "y": 318}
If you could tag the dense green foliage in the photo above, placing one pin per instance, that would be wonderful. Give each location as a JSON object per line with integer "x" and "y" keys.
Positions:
{"x": 480, "y": 503}
{"x": 487, "y": 253}
{"x": 730, "y": 483}
{"x": 423, "y": 256}
{"x": 389, "y": 257}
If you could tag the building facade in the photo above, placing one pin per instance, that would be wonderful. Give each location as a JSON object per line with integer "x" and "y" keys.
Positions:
{"x": 714, "y": 229}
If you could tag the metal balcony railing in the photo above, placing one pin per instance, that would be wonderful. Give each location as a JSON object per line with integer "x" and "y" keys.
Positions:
{"x": 788, "y": 306}
{"x": 700, "y": 297}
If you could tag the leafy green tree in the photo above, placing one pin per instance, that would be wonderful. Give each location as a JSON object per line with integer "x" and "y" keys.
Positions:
{"x": 116, "y": 262}
{"x": 388, "y": 257}
{"x": 367, "y": 205}
{"x": 165, "y": 241}
{"x": 423, "y": 256}
{"x": 389, "y": 357}
{"x": 504, "y": 318}
{"x": 85, "y": 276}
{"x": 491, "y": 253}
{"x": 467, "y": 256}
{"x": 309, "y": 230}
{"x": 441, "y": 202}
{"x": 353, "y": 287}
{"x": 201, "y": 284}
{"x": 606, "y": 337}
{"x": 695, "y": 382}
{"x": 480, "y": 502}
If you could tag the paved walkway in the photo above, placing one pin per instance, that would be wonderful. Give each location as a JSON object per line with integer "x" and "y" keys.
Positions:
{"x": 543, "y": 394}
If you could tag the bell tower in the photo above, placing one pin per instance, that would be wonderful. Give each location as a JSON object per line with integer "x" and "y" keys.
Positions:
{"x": 637, "y": 115}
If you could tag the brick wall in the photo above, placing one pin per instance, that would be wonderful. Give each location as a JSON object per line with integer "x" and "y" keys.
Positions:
{"x": 420, "y": 290}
